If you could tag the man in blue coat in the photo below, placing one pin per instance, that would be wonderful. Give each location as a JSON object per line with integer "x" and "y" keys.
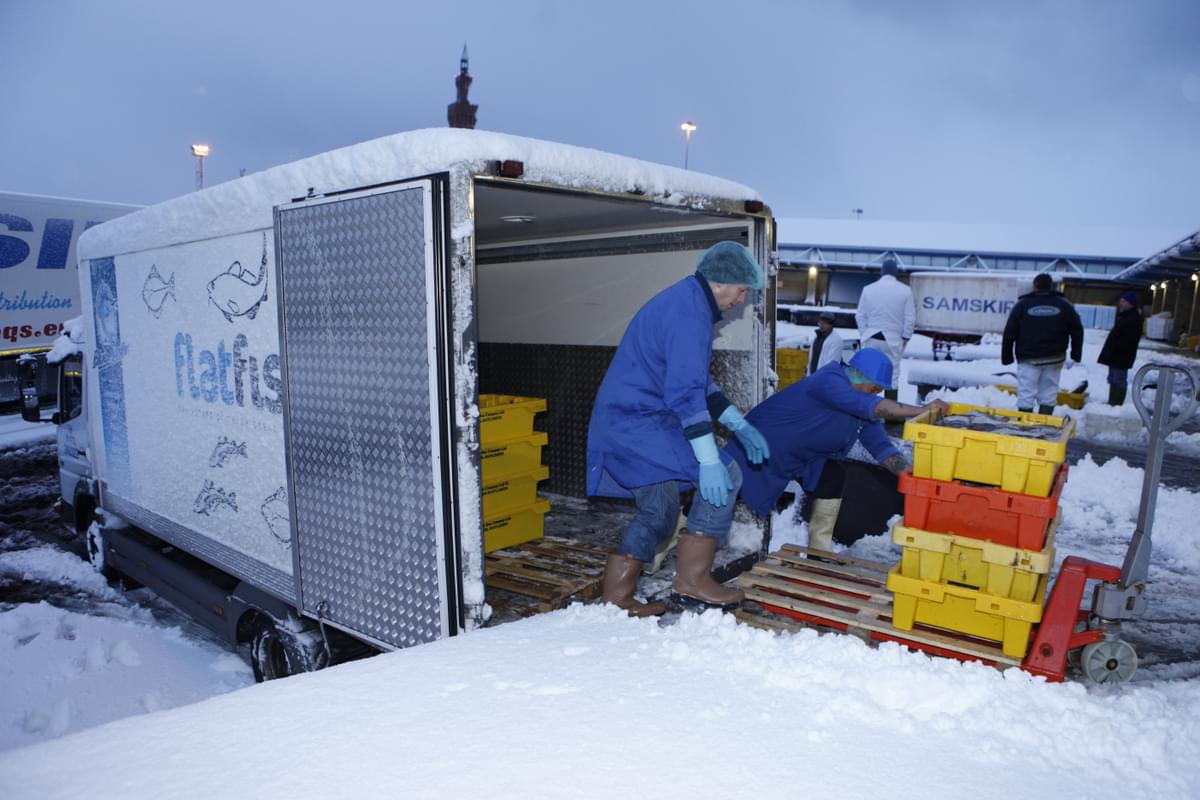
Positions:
{"x": 651, "y": 431}
{"x": 811, "y": 425}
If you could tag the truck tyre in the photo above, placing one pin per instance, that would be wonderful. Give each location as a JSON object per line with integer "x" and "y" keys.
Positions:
{"x": 93, "y": 545}
{"x": 276, "y": 652}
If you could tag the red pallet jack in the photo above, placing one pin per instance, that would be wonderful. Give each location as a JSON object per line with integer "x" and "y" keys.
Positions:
{"x": 849, "y": 594}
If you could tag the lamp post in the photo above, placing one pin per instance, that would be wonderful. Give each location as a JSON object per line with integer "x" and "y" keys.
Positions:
{"x": 811, "y": 297}
{"x": 687, "y": 127}
{"x": 199, "y": 151}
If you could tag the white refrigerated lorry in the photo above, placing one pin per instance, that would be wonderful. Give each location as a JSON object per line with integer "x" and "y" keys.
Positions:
{"x": 285, "y": 442}
{"x": 39, "y": 284}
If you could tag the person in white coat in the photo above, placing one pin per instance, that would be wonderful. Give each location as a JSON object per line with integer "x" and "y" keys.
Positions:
{"x": 826, "y": 344}
{"x": 886, "y": 315}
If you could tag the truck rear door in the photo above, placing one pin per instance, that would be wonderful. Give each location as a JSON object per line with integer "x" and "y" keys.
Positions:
{"x": 364, "y": 340}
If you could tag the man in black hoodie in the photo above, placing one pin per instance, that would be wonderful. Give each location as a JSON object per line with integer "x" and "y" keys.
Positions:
{"x": 1039, "y": 327}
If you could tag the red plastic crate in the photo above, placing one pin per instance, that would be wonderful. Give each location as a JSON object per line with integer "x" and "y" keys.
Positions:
{"x": 980, "y": 512}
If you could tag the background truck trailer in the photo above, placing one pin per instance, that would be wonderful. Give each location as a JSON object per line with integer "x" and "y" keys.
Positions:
{"x": 954, "y": 308}
{"x": 292, "y": 434}
{"x": 39, "y": 278}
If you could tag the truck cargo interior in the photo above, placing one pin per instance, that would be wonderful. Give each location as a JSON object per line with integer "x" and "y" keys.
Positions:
{"x": 559, "y": 276}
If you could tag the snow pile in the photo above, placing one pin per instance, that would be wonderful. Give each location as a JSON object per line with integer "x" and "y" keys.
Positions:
{"x": 1106, "y": 498}
{"x": 69, "y": 343}
{"x": 586, "y": 703}
{"x": 246, "y": 204}
{"x": 17, "y": 433}
{"x": 64, "y": 671}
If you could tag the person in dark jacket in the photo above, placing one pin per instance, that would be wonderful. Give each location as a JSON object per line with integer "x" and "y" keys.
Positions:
{"x": 651, "y": 432}
{"x": 1120, "y": 348}
{"x": 1039, "y": 328}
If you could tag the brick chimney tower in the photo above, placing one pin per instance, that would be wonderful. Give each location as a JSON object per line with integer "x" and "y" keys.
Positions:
{"x": 460, "y": 113}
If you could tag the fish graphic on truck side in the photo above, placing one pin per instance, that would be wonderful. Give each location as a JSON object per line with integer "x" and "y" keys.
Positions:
{"x": 156, "y": 291}
{"x": 236, "y": 292}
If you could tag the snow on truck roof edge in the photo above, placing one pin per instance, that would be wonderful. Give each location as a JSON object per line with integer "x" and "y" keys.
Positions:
{"x": 245, "y": 204}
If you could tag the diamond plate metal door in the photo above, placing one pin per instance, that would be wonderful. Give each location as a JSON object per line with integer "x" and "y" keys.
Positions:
{"x": 358, "y": 286}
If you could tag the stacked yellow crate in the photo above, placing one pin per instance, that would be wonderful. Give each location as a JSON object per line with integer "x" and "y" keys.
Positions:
{"x": 790, "y": 365}
{"x": 985, "y": 580}
{"x": 511, "y": 459}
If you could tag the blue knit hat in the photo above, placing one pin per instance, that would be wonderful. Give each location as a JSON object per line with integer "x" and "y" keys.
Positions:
{"x": 730, "y": 262}
{"x": 874, "y": 365}
{"x": 1130, "y": 297}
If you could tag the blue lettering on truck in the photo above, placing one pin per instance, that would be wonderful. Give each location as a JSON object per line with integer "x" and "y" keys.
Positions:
{"x": 56, "y": 241}
{"x": 224, "y": 374}
{"x": 975, "y": 305}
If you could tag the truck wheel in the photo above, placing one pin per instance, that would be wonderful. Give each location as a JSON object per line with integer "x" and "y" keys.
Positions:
{"x": 278, "y": 653}
{"x": 93, "y": 543}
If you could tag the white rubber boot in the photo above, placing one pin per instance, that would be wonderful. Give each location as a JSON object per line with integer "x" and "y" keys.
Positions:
{"x": 664, "y": 549}
{"x": 821, "y": 524}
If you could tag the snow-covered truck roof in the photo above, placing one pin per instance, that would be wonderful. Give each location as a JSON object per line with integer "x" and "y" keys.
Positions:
{"x": 246, "y": 204}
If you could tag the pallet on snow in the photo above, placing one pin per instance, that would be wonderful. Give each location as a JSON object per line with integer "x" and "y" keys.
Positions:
{"x": 788, "y": 591}
{"x": 551, "y": 571}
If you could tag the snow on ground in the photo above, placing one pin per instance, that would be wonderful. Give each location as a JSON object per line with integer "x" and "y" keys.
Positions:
{"x": 65, "y": 670}
{"x": 588, "y": 703}
{"x": 16, "y": 432}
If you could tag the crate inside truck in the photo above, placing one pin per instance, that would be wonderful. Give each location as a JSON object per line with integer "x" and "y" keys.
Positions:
{"x": 295, "y": 445}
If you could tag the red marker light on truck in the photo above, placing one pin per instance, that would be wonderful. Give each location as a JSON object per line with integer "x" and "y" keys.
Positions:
{"x": 512, "y": 169}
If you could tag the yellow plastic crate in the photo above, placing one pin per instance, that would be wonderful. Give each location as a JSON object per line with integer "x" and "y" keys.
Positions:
{"x": 1011, "y": 572}
{"x": 1014, "y": 463}
{"x": 513, "y": 455}
{"x": 969, "y": 611}
{"x": 791, "y": 358}
{"x": 505, "y": 416}
{"x": 521, "y": 525}
{"x": 789, "y": 376}
{"x": 509, "y": 492}
{"x": 1075, "y": 400}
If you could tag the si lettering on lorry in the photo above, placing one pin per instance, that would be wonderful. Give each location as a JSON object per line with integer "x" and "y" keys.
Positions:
{"x": 975, "y": 305}
{"x": 221, "y": 374}
{"x": 56, "y": 241}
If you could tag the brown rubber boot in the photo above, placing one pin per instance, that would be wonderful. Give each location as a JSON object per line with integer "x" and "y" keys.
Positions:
{"x": 693, "y": 576}
{"x": 620, "y": 580}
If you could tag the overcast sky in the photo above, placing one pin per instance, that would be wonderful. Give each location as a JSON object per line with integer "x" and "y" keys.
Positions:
{"x": 1079, "y": 112}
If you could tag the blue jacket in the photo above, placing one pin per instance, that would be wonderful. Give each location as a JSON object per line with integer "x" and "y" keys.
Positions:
{"x": 806, "y": 424}
{"x": 656, "y": 387}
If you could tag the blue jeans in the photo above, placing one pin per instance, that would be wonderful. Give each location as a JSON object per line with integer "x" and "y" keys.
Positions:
{"x": 658, "y": 508}
{"x": 1118, "y": 377}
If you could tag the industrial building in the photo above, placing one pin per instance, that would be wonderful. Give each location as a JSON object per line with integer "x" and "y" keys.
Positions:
{"x": 827, "y": 262}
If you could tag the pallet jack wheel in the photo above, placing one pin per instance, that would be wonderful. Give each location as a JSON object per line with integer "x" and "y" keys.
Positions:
{"x": 1113, "y": 661}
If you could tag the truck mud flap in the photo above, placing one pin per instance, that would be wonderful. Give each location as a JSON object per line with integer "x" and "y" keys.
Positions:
{"x": 363, "y": 336}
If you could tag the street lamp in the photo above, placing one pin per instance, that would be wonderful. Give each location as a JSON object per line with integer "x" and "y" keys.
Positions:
{"x": 687, "y": 127}
{"x": 199, "y": 151}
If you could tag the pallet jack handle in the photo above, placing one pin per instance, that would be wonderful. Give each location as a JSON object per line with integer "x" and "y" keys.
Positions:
{"x": 1125, "y": 599}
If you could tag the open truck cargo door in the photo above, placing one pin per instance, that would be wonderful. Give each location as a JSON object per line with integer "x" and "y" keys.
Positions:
{"x": 364, "y": 350}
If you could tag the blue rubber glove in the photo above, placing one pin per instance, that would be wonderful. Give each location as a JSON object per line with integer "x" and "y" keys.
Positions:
{"x": 754, "y": 443}
{"x": 715, "y": 485}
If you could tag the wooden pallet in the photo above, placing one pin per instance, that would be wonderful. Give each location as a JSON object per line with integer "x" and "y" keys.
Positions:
{"x": 787, "y": 591}
{"x": 551, "y": 572}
